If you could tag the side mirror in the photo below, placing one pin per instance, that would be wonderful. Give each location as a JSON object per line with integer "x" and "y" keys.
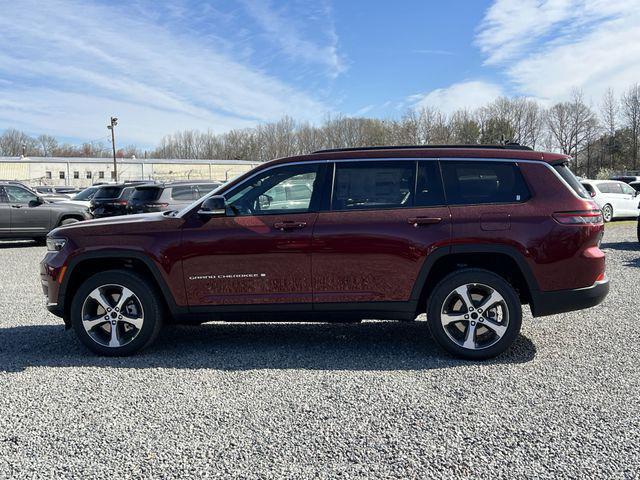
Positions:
{"x": 215, "y": 206}
{"x": 35, "y": 203}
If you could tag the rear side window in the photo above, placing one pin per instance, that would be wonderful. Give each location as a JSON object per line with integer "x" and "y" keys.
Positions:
{"x": 570, "y": 178}
{"x": 203, "y": 189}
{"x": 108, "y": 192}
{"x": 3, "y": 196}
{"x": 146, "y": 194}
{"x": 182, "y": 193}
{"x": 477, "y": 182}
{"x": 367, "y": 185}
{"x": 610, "y": 187}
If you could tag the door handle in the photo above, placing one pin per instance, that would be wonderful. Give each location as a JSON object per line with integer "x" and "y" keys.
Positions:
{"x": 16, "y": 206}
{"x": 417, "y": 221}
{"x": 289, "y": 225}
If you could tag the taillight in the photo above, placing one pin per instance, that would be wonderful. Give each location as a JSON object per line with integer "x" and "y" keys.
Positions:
{"x": 586, "y": 217}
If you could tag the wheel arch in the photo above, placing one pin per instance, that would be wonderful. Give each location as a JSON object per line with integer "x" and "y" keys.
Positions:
{"x": 85, "y": 265}
{"x": 502, "y": 260}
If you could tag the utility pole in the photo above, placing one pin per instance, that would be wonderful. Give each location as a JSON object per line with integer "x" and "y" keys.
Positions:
{"x": 114, "y": 122}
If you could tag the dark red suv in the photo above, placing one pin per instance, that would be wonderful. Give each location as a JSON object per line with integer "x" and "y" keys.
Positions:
{"x": 464, "y": 234}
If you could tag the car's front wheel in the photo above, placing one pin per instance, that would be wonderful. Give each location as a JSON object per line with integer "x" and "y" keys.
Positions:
{"x": 116, "y": 313}
{"x": 474, "y": 314}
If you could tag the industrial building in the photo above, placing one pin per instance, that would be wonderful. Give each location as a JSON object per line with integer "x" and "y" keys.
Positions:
{"x": 83, "y": 172}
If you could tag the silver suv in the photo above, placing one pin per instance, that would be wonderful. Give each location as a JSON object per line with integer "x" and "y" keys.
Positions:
{"x": 25, "y": 214}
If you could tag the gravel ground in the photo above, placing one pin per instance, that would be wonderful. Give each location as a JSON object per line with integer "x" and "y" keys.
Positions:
{"x": 377, "y": 399}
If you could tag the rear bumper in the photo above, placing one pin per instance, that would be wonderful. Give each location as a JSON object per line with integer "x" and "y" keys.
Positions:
{"x": 560, "y": 301}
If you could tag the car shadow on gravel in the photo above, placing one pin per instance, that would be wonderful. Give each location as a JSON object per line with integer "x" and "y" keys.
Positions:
{"x": 246, "y": 346}
{"x": 625, "y": 246}
{"x": 18, "y": 244}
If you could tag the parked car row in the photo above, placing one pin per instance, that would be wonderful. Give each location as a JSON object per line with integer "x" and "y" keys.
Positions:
{"x": 144, "y": 197}
{"x": 27, "y": 213}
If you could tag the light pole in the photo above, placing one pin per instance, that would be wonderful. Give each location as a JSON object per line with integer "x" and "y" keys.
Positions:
{"x": 114, "y": 122}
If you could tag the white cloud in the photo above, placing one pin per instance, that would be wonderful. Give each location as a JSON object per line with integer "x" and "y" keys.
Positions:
{"x": 548, "y": 47}
{"x": 470, "y": 94}
{"x": 283, "y": 30}
{"x": 72, "y": 65}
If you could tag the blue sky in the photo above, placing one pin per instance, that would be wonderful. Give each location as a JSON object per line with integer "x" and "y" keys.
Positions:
{"x": 66, "y": 66}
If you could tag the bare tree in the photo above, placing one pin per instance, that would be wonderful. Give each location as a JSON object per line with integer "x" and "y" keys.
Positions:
{"x": 631, "y": 114}
{"x": 609, "y": 111}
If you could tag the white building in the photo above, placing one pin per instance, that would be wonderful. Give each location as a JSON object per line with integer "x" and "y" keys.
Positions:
{"x": 82, "y": 172}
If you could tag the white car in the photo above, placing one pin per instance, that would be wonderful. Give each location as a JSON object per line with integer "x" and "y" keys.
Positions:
{"x": 615, "y": 199}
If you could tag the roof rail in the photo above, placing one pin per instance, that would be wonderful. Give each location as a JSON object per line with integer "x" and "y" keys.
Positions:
{"x": 506, "y": 146}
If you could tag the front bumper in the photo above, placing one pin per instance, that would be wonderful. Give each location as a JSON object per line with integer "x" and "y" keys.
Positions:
{"x": 561, "y": 301}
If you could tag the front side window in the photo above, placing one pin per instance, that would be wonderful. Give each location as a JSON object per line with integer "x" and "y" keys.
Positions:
{"x": 478, "y": 182}
{"x": 287, "y": 189}
{"x": 371, "y": 185}
{"x": 19, "y": 195}
{"x": 627, "y": 190}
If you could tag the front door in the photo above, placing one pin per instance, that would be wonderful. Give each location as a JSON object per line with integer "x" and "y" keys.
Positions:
{"x": 28, "y": 216}
{"x": 5, "y": 213}
{"x": 381, "y": 226}
{"x": 260, "y": 253}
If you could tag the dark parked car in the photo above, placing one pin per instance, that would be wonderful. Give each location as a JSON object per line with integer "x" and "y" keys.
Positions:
{"x": 167, "y": 196}
{"x": 464, "y": 234}
{"x": 25, "y": 214}
{"x": 111, "y": 200}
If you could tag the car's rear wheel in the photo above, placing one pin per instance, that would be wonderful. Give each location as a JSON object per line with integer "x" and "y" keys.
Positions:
{"x": 474, "y": 314}
{"x": 116, "y": 313}
{"x": 607, "y": 213}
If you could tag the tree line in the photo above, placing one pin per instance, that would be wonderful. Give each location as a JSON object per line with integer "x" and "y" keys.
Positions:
{"x": 600, "y": 138}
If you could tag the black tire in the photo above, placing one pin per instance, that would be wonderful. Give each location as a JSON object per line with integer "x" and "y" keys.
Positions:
{"x": 607, "y": 213}
{"x": 152, "y": 308}
{"x": 638, "y": 229}
{"x": 443, "y": 291}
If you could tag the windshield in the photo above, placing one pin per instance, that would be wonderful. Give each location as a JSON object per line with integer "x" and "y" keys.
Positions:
{"x": 86, "y": 194}
{"x": 568, "y": 176}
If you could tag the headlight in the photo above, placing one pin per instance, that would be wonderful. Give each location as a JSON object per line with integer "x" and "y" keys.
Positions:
{"x": 55, "y": 244}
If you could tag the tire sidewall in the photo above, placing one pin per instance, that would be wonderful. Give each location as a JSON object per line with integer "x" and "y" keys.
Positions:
{"x": 610, "y": 208}
{"x": 147, "y": 297}
{"x": 466, "y": 276}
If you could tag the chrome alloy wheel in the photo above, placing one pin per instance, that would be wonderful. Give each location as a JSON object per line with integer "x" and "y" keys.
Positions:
{"x": 475, "y": 316}
{"x": 112, "y": 315}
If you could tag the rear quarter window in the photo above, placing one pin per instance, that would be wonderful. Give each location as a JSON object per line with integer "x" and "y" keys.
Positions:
{"x": 568, "y": 176}
{"x": 478, "y": 182}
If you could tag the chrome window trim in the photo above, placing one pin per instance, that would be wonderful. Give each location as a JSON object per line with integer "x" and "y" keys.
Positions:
{"x": 189, "y": 208}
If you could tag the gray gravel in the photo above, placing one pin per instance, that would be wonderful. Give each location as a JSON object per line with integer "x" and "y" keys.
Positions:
{"x": 377, "y": 399}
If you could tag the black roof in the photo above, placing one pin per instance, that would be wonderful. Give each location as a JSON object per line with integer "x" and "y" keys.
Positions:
{"x": 507, "y": 146}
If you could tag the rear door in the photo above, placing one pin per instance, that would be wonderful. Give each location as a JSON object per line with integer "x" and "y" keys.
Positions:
{"x": 26, "y": 217}
{"x": 630, "y": 201}
{"x": 376, "y": 232}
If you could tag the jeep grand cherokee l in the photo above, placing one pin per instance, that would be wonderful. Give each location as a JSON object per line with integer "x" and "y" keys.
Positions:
{"x": 464, "y": 234}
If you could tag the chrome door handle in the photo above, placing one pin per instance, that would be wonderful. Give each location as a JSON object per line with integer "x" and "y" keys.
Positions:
{"x": 417, "y": 221}
{"x": 16, "y": 206}
{"x": 289, "y": 225}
